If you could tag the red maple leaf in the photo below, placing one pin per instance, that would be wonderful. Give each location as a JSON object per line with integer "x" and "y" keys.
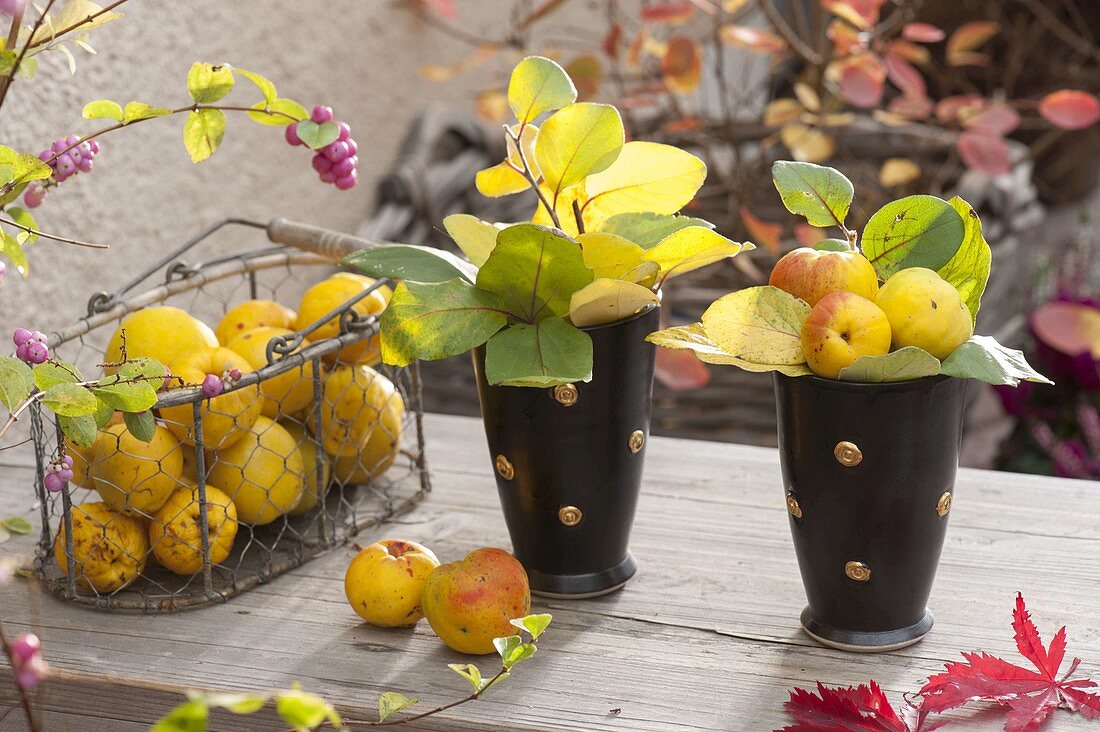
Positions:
{"x": 1030, "y": 696}
{"x": 862, "y": 708}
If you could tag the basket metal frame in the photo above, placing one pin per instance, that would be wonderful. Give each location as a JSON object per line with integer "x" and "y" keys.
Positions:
{"x": 333, "y": 528}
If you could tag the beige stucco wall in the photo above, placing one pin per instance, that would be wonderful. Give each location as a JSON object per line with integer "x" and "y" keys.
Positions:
{"x": 145, "y": 196}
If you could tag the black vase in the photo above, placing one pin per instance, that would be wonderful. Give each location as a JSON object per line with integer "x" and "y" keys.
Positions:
{"x": 568, "y": 462}
{"x": 869, "y": 474}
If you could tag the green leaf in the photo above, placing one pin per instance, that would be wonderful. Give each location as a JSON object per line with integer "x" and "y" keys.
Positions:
{"x": 236, "y": 703}
{"x": 288, "y": 108}
{"x": 69, "y": 400}
{"x": 391, "y": 702}
{"x": 548, "y": 353}
{"x": 203, "y": 132}
{"x": 434, "y": 321}
{"x": 141, "y": 425}
{"x": 103, "y": 109}
{"x": 476, "y": 238}
{"x": 140, "y": 110}
{"x": 512, "y": 650}
{"x": 968, "y": 270}
{"x": 24, "y": 218}
{"x": 24, "y": 166}
{"x": 915, "y": 231}
{"x": 694, "y": 338}
{"x": 539, "y": 85}
{"x": 304, "y": 711}
{"x": 7, "y": 62}
{"x": 692, "y": 248}
{"x": 190, "y": 716}
{"x": 149, "y": 369}
{"x": 267, "y": 89}
{"x": 103, "y": 414}
{"x": 608, "y": 300}
{"x": 506, "y": 644}
{"x": 832, "y": 245}
{"x": 81, "y": 431}
{"x": 207, "y": 83}
{"x": 984, "y": 359}
{"x": 490, "y": 683}
{"x": 316, "y": 135}
{"x": 470, "y": 672}
{"x": 126, "y": 396}
{"x": 820, "y": 194}
{"x": 55, "y": 371}
{"x": 609, "y": 255}
{"x": 411, "y": 263}
{"x": 17, "y": 525}
{"x": 903, "y": 364}
{"x": 647, "y": 229}
{"x": 577, "y": 141}
{"x": 12, "y": 248}
{"x": 16, "y": 382}
{"x": 759, "y": 324}
{"x": 535, "y": 270}
{"x": 535, "y": 625}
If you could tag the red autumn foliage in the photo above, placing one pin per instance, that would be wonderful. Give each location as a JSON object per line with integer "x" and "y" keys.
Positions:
{"x": 1029, "y": 696}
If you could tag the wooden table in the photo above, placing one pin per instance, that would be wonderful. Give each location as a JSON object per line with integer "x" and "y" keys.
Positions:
{"x": 705, "y": 637}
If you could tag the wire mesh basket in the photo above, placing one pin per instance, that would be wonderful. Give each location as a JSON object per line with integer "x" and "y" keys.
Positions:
{"x": 295, "y": 457}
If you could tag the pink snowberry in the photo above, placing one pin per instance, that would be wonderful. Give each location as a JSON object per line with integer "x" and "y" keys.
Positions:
{"x": 320, "y": 114}
{"x": 321, "y": 164}
{"x": 291, "y": 135}
{"x": 53, "y": 482}
{"x": 21, "y": 336}
{"x": 28, "y": 665}
{"x": 212, "y": 386}
{"x": 347, "y": 181}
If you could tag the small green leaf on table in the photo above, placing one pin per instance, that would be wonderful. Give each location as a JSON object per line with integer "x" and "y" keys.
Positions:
{"x": 303, "y": 710}
{"x": 607, "y": 300}
{"x": 547, "y": 353}
{"x": 535, "y": 270}
{"x": 4, "y": 535}
{"x": 512, "y": 650}
{"x": 819, "y": 194}
{"x": 411, "y": 263}
{"x": 103, "y": 109}
{"x": 203, "y": 132}
{"x": 903, "y": 364}
{"x": 191, "y": 716}
{"x": 577, "y": 141}
{"x": 692, "y": 248}
{"x": 434, "y": 321}
{"x": 647, "y": 229}
{"x": 391, "y": 702}
{"x": 968, "y": 270}
{"x": 694, "y": 338}
{"x": 915, "y": 231}
{"x": 141, "y": 425}
{"x": 16, "y": 382}
{"x": 759, "y": 324}
{"x": 476, "y": 238}
{"x": 55, "y": 371}
{"x": 984, "y": 359}
{"x": 69, "y": 400}
{"x": 207, "y": 83}
{"x": 535, "y": 625}
{"x": 470, "y": 672}
{"x": 17, "y": 525}
{"x": 539, "y": 85}
{"x": 236, "y": 703}
{"x": 136, "y": 111}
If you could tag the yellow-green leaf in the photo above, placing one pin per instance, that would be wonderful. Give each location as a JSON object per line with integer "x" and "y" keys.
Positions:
{"x": 608, "y": 255}
{"x": 694, "y": 338}
{"x": 691, "y": 248}
{"x": 12, "y": 248}
{"x": 267, "y": 89}
{"x": 207, "y": 83}
{"x": 539, "y": 85}
{"x": 968, "y": 270}
{"x": 474, "y": 237}
{"x": 647, "y": 230}
{"x": 434, "y": 321}
{"x": 203, "y": 132}
{"x": 542, "y": 354}
{"x": 287, "y": 109}
{"x": 646, "y": 176}
{"x": 903, "y": 364}
{"x": 607, "y": 300}
{"x": 500, "y": 180}
{"x": 139, "y": 110}
{"x": 577, "y": 141}
{"x": 391, "y": 702}
{"x": 759, "y": 324}
{"x": 103, "y": 109}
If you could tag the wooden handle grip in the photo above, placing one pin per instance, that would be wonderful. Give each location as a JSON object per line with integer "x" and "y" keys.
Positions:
{"x": 330, "y": 244}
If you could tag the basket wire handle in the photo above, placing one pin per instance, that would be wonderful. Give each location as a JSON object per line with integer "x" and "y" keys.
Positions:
{"x": 330, "y": 244}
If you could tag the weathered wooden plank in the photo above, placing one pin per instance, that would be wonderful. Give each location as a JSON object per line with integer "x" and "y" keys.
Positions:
{"x": 704, "y": 638}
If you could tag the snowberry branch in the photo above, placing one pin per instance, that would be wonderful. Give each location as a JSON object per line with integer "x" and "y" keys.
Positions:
{"x": 74, "y": 26}
{"x": 23, "y": 51}
{"x": 526, "y": 172}
{"x": 54, "y": 237}
{"x": 474, "y": 696}
{"x": 24, "y": 699}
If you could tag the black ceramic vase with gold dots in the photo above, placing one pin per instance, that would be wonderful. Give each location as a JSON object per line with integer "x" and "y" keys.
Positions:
{"x": 869, "y": 474}
{"x": 568, "y": 462}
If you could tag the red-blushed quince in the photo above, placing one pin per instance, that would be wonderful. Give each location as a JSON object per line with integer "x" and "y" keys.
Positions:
{"x": 469, "y": 603}
{"x": 384, "y": 582}
{"x": 841, "y": 328}
{"x": 811, "y": 274}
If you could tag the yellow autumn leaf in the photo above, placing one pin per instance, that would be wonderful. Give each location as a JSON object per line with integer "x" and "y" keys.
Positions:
{"x": 527, "y": 137}
{"x": 609, "y": 255}
{"x": 694, "y": 338}
{"x": 538, "y": 85}
{"x": 474, "y": 237}
{"x": 500, "y": 180}
{"x": 807, "y": 144}
{"x": 577, "y": 141}
{"x": 691, "y": 248}
{"x": 646, "y": 177}
{"x": 607, "y": 300}
{"x": 761, "y": 325}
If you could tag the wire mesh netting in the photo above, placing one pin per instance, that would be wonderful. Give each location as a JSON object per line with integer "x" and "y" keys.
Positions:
{"x": 313, "y": 441}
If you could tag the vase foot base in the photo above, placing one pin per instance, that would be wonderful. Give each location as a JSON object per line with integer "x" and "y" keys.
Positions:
{"x": 582, "y": 586}
{"x": 864, "y": 641}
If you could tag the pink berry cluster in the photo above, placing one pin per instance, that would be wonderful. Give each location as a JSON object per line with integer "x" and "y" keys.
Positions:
{"x": 213, "y": 385}
{"x": 58, "y": 473}
{"x": 337, "y": 162}
{"x": 68, "y": 162}
{"x": 30, "y": 346}
{"x": 27, "y": 662}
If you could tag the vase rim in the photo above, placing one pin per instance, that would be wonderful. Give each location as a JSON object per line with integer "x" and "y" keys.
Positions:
{"x": 867, "y": 385}
{"x": 640, "y": 314}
